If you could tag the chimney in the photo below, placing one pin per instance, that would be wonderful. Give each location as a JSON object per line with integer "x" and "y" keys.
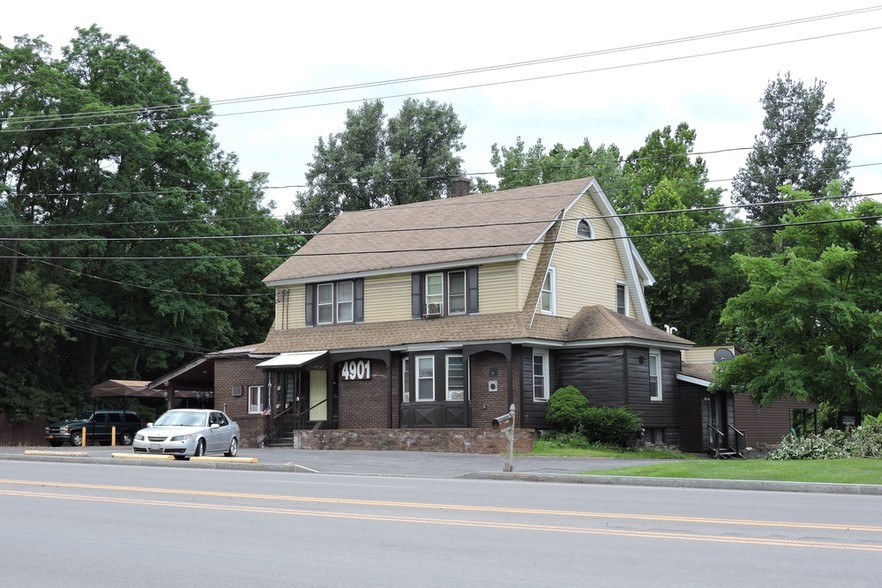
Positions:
{"x": 459, "y": 186}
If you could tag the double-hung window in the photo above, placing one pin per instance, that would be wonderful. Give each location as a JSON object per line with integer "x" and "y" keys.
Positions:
{"x": 334, "y": 303}
{"x": 425, "y": 381}
{"x": 405, "y": 379}
{"x": 325, "y": 303}
{"x": 444, "y": 293}
{"x": 255, "y": 399}
{"x": 655, "y": 381}
{"x": 344, "y": 302}
{"x": 622, "y": 299}
{"x": 435, "y": 294}
{"x": 455, "y": 377}
{"x": 547, "y": 294}
{"x": 456, "y": 292}
{"x": 541, "y": 383}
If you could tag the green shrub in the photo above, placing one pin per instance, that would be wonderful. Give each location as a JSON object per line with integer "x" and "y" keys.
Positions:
{"x": 614, "y": 427}
{"x": 566, "y": 409}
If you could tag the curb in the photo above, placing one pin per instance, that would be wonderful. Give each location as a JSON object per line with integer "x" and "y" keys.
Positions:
{"x": 700, "y": 483}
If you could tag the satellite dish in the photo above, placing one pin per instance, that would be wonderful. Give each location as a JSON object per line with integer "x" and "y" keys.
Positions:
{"x": 722, "y": 354}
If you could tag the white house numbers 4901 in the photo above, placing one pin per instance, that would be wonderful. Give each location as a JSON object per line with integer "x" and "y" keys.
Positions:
{"x": 356, "y": 369}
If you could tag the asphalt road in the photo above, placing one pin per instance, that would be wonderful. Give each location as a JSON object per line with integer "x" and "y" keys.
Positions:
{"x": 86, "y": 524}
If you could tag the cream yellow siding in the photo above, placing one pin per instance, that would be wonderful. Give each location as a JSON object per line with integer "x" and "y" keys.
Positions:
{"x": 526, "y": 273}
{"x": 387, "y": 298}
{"x": 498, "y": 288}
{"x": 290, "y": 311}
{"x": 587, "y": 270}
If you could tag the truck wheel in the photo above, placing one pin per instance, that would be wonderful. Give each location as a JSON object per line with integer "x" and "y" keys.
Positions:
{"x": 76, "y": 438}
{"x": 126, "y": 438}
{"x": 234, "y": 448}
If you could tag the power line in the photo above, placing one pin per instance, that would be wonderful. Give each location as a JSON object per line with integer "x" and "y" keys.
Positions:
{"x": 504, "y": 82}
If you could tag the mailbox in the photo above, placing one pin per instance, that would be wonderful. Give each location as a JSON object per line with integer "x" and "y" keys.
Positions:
{"x": 503, "y": 422}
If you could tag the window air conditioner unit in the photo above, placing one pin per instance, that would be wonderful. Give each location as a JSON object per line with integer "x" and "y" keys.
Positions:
{"x": 433, "y": 309}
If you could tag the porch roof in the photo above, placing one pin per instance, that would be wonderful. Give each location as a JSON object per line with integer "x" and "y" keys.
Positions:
{"x": 291, "y": 359}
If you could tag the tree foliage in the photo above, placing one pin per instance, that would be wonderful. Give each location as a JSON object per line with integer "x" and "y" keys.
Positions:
{"x": 121, "y": 223}
{"x": 796, "y": 148}
{"x": 811, "y": 319}
{"x": 374, "y": 162}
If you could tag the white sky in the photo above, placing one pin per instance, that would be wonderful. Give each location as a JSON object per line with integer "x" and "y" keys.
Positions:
{"x": 233, "y": 50}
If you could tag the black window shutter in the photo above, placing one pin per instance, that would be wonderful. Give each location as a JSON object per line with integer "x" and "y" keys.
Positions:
{"x": 358, "y": 294}
{"x": 473, "y": 290}
{"x": 310, "y": 298}
{"x": 416, "y": 304}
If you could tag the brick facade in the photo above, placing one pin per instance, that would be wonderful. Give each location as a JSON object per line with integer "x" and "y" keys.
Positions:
{"x": 240, "y": 372}
{"x": 364, "y": 403}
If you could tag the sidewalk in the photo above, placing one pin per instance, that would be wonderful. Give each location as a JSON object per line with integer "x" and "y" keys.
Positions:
{"x": 430, "y": 465}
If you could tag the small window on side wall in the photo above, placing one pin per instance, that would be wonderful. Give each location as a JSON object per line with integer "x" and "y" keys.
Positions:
{"x": 655, "y": 379}
{"x": 622, "y": 299}
{"x": 585, "y": 230}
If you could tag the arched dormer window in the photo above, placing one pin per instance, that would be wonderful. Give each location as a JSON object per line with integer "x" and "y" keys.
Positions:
{"x": 584, "y": 230}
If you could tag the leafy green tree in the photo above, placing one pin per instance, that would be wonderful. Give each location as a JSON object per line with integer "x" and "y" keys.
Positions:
{"x": 675, "y": 219}
{"x": 796, "y": 148}
{"x": 811, "y": 319}
{"x": 115, "y": 197}
{"x": 519, "y": 166}
{"x": 374, "y": 162}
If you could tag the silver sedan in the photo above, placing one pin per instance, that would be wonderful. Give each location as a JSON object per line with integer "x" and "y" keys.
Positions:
{"x": 188, "y": 432}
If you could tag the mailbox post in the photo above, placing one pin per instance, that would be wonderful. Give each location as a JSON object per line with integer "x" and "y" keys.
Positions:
{"x": 505, "y": 424}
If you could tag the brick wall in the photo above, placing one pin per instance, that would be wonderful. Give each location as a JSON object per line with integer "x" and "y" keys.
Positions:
{"x": 364, "y": 403}
{"x": 485, "y": 441}
{"x": 488, "y": 404}
{"x": 242, "y": 372}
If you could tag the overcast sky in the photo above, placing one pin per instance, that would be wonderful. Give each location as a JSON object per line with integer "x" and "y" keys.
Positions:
{"x": 256, "y": 48}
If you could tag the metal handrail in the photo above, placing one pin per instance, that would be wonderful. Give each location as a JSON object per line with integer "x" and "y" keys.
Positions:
{"x": 742, "y": 435}
{"x": 718, "y": 434}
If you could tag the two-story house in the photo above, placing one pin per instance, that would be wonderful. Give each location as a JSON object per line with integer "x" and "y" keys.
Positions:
{"x": 442, "y": 314}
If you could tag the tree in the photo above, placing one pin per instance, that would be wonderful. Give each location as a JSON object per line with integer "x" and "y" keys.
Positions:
{"x": 667, "y": 199}
{"x": 811, "y": 319}
{"x": 517, "y": 166}
{"x": 116, "y": 200}
{"x": 374, "y": 162}
{"x": 796, "y": 148}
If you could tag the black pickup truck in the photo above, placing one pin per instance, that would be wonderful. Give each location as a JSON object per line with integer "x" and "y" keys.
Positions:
{"x": 99, "y": 427}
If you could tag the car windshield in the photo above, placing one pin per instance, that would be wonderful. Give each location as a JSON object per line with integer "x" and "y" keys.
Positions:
{"x": 178, "y": 419}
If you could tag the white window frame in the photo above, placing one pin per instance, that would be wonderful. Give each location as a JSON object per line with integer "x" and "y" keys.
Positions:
{"x": 328, "y": 304}
{"x": 455, "y": 393}
{"x": 459, "y": 295}
{"x": 344, "y": 304}
{"x": 436, "y": 297}
{"x": 655, "y": 376}
{"x": 584, "y": 222}
{"x": 255, "y": 399}
{"x": 420, "y": 378}
{"x": 405, "y": 379}
{"x": 541, "y": 382}
{"x": 623, "y": 287}
{"x": 549, "y": 292}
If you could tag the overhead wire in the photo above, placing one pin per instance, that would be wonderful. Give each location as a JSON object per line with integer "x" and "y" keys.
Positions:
{"x": 483, "y": 70}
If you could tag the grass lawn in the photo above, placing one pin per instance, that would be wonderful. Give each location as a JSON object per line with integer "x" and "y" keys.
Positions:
{"x": 841, "y": 471}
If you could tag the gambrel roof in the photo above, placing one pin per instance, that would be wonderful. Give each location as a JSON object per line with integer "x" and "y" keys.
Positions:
{"x": 465, "y": 230}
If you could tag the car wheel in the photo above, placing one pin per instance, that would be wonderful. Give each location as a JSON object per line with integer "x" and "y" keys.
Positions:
{"x": 126, "y": 438}
{"x": 234, "y": 448}
{"x": 76, "y": 439}
{"x": 55, "y": 443}
{"x": 200, "y": 448}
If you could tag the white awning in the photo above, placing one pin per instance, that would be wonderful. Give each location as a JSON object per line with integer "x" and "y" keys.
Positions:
{"x": 291, "y": 359}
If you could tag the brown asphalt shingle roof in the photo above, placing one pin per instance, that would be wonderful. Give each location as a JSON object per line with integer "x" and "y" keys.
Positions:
{"x": 462, "y": 229}
{"x": 592, "y": 323}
